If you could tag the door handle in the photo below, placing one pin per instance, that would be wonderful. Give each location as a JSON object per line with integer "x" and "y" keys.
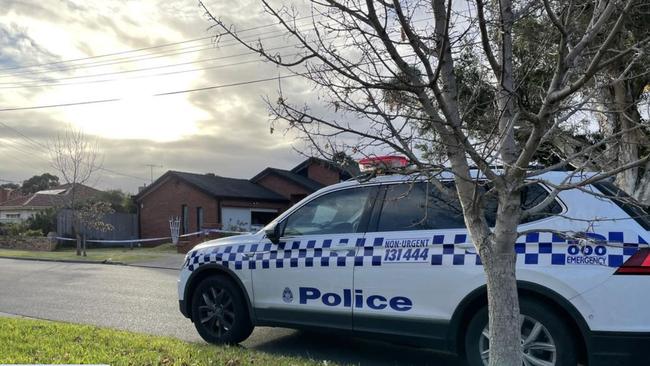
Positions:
{"x": 348, "y": 251}
{"x": 251, "y": 255}
{"x": 467, "y": 247}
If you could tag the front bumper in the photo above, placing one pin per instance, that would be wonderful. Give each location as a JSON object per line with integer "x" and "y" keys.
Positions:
{"x": 618, "y": 348}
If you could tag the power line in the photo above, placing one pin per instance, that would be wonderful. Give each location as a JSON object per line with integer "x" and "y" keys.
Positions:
{"x": 154, "y": 55}
{"x": 110, "y": 100}
{"x": 163, "y": 66}
{"x": 144, "y": 48}
{"x": 28, "y": 85}
{"x": 44, "y": 148}
{"x": 183, "y": 91}
{"x": 127, "y": 59}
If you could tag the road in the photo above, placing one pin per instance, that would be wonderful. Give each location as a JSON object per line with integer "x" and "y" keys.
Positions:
{"x": 144, "y": 300}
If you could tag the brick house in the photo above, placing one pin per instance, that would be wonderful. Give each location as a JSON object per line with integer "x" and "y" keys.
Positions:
{"x": 306, "y": 178}
{"x": 211, "y": 201}
{"x": 202, "y": 201}
{"x": 325, "y": 172}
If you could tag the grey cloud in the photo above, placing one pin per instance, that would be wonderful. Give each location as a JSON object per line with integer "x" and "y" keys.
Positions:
{"x": 231, "y": 141}
{"x": 17, "y": 48}
{"x": 237, "y": 153}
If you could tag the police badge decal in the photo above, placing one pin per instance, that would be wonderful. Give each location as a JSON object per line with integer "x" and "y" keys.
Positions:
{"x": 287, "y": 296}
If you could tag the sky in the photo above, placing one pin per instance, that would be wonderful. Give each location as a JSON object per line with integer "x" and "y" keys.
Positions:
{"x": 53, "y": 52}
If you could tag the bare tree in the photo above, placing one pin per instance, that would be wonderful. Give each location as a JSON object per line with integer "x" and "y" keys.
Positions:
{"x": 448, "y": 87}
{"x": 91, "y": 216}
{"x": 76, "y": 159}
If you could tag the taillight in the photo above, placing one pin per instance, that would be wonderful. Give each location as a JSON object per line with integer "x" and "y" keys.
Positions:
{"x": 638, "y": 264}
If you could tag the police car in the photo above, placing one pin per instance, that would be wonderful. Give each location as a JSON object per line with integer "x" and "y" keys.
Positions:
{"x": 390, "y": 258}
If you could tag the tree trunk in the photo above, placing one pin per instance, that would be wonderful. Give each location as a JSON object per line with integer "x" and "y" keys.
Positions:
{"x": 499, "y": 259}
{"x": 503, "y": 309}
{"x": 78, "y": 244}
{"x": 83, "y": 250}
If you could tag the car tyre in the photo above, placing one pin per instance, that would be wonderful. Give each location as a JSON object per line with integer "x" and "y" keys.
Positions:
{"x": 553, "y": 332}
{"x": 219, "y": 311}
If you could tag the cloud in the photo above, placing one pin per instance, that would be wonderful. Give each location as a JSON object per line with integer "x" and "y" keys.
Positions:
{"x": 223, "y": 131}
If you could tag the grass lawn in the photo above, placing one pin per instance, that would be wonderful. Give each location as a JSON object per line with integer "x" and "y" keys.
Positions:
{"x": 30, "y": 341}
{"x": 123, "y": 255}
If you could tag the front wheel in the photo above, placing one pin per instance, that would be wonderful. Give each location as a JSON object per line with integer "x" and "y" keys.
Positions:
{"x": 219, "y": 311}
{"x": 545, "y": 339}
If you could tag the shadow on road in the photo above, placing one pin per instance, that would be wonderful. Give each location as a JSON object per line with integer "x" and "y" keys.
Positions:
{"x": 347, "y": 350}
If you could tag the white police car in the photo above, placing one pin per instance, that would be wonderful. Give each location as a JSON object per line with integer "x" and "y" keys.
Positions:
{"x": 370, "y": 257}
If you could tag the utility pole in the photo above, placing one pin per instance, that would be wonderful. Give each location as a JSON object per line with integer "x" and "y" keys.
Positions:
{"x": 151, "y": 166}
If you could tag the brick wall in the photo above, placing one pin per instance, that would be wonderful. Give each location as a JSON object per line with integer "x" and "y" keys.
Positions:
{"x": 323, "y": 174}
{"x": 160, "y": 203}
{"x": 282, "y": 186}
{"x": 166, "y": 200}
{"x": 28, "y": 243}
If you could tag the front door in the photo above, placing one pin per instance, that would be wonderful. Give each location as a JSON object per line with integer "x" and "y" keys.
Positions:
{"x": 306, "y": 279}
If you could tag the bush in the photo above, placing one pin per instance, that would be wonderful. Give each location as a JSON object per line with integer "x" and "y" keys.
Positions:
{"x": 14, "y": 229}
{"x": 19, "y": 229}
{"x": 44, "y": 221}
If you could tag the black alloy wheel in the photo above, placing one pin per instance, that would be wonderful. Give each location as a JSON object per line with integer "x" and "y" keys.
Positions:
{"x": 219, "y": 311}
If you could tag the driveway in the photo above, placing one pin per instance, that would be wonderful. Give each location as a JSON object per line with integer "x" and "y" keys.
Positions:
{"x": 144, "y": 300}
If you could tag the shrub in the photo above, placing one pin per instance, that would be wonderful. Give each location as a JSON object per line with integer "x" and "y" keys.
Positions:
{"x": 44, "y": 221}
{"x": 30, "y": 232}
{"x": 19, "y": 229}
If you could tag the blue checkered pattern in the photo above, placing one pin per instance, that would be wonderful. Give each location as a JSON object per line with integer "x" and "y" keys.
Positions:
{"x": 531, "y": 249}
{"x": 546, "y": 249}
{"x": 305, "y": 253}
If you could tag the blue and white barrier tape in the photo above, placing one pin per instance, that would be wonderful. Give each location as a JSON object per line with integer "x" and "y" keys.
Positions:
{"x": 155, "y": 239}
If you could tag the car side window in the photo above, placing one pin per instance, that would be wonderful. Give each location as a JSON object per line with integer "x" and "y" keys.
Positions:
{"x": 532, "y": 196}
{"x": 418, "y": 206}
{"x": 334, "y": 213}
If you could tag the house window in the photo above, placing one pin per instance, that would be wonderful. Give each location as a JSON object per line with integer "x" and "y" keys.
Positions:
{"x": 185, "y": 219}
{"x": 13, "y": 216}
{"x": 199, "y": 218}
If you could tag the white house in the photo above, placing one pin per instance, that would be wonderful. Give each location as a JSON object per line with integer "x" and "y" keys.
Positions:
{"x": 22, "y": 208}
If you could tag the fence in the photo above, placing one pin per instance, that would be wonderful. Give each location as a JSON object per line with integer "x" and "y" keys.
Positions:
{"x": 125, "y": 226}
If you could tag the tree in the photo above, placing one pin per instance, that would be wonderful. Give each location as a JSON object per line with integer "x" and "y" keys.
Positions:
{"x": 614, "y": 100}
{"x": 91, "y": 216}
{"x": 76, "y": 158}
{"x": 119, "y": 201}
{"x": 41, "y": 182}
{"x": 10, "y": 185}
{"x": 399, "y": 76}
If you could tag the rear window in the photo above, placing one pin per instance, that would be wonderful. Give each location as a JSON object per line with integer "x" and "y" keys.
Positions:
{"x": 420, "y": 206}
{"x": 637, "y": 211}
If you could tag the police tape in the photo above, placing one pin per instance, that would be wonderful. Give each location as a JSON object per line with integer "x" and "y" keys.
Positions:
{"x": 202, "y": 232}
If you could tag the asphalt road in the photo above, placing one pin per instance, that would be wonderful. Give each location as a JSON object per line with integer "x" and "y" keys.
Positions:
{"x": 144, "y": 300}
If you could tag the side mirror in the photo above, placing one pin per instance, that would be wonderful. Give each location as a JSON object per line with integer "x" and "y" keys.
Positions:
{"x": 273, "y": 233}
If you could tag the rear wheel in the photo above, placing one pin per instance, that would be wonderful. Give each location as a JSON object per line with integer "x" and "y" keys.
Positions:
{"x": 545, "y": 339}
{"x": 219, "y": 311}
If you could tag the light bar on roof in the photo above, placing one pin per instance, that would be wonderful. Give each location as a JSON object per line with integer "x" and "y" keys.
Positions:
{"x": 386, "y": 162}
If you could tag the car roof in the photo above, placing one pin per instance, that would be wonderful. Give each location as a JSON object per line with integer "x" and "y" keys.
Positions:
{"x": 553, "y": 177}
